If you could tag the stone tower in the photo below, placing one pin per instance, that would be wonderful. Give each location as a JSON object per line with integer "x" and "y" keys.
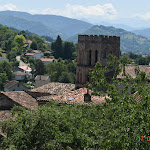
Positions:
{"x": 92, "y": 49}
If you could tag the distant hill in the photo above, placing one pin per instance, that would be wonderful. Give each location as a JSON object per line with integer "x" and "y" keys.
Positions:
{"x": 129, "y": 41}
{"x": 143, "y": 32}
{"x": 49, "y": 25}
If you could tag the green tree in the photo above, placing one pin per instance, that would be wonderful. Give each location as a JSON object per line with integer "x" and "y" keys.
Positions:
{"x": 3, "y": 80}
{"x": 142, "y": 61}
{"x": 57, "y": 47}
{"x": 19, "y": 40}
{"x": 124, "y": 61}
{"x": 34, "y": 45}
{"x": 6, "y": 67}
{"x": 68, "y": 50}
{"x": 40, "y": 68}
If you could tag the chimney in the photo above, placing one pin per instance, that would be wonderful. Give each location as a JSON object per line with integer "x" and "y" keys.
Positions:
{"x": 87, "y": 97}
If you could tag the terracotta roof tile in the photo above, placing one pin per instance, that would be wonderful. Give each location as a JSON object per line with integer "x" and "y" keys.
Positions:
{"x": 22, "y": 98}
{"x": 76, "y": 96}
{"x": 47, "y": 59}
{"x": 30, "y": 54}
{"x": 55, "y": 88}
{"x": 129, "y": 69}
{"x": 11, "y": 84}
{"x": 24, "y": 67}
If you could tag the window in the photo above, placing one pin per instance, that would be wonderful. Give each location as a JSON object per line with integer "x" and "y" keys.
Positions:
{"x": 96, "y": 56}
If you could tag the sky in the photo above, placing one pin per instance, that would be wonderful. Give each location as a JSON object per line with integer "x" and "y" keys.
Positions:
{"x": 93, "y": 11}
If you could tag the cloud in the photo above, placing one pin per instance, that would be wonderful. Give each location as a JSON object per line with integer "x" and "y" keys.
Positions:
{"x": 78, "y": 11}
{"x": 145, "y": 16}
{"x": 8, "y": 7}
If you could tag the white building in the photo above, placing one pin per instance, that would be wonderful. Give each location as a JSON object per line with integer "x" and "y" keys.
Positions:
{"x": 36, "y": 54}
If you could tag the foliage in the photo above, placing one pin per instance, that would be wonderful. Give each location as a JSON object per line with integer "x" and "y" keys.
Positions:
{"x": 57, "y": 47}
{"x": 3, "y": 80}
{"x": 68, "y": 50}
{"x": 5, "y": 67}
{"x": 40, "y": 68}
{"x": 5, "y": 72}
{"x": 34, "y": 45}
{"x": 62, "y": 71}
{"x": 78, "y": 127}
{"x": 6, "y": 37}
{"x": 19, "y": 40}
{"x": 65, "y": 49}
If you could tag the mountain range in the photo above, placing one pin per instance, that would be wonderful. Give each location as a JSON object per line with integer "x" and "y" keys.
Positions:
{"x": 129, "y": 41}
{"x": 136, "y": 41}
{"x": 50, "y": 25}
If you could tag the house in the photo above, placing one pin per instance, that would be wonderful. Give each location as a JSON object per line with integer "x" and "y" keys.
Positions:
{"x": 14, "y": 86}
{"x": 36, "y": 54}
{"x": 47, "y": 61}
{"x": 18, "y": 98}
{"x": 25, "y": 69}
{"x": 64, "y": 93}
{"x": 19, "y": 75}
{"x": 79, "y": 96}
{"x": 27, "y": 44}
{"x": 41, "y": 80}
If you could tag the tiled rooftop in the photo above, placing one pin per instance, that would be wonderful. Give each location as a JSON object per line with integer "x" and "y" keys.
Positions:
{"x": 24, "y": 67}
{"x": 10, "y": 84}
{"x": 55, "y": 88}
{"x": 129, "y": 69}
{"x": 47, "y": 60}
{"x": 22, "y": 98}
{"x": 72, "y": 97}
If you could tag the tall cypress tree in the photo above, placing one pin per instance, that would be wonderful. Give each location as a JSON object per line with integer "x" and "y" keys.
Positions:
{"x": 57, "y": 47}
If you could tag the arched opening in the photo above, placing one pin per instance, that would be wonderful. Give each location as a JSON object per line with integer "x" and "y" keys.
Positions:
{"x": 90, "y": 57}
{"x": 96, "y": 56}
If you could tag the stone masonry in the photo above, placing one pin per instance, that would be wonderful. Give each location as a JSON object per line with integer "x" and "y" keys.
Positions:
{"x": 92, "y": 49}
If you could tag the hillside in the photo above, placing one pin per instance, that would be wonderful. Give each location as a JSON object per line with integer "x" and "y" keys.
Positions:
{"x": 129, "y": 41}
{"x": 144, "y": 32}
{"x": 50, "y": 25}
{"x": 23, "y": 24}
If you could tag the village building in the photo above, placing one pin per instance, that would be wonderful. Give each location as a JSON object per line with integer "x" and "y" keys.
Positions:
{"x": 93, "y": 49}
{"x": 47, "y": 61}
{"x": 19, "y": 75}
{"x": 25, "y": 69}
{"x": 17, "y": 98}
{"x": 35, "y": 54}
{"x": 41, "y": 80}
{"x": 27, "y": 44}
{"x": 14, "y": 86}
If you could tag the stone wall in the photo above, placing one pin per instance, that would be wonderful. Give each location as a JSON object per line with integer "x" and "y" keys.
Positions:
{"x": 93, "y": 49}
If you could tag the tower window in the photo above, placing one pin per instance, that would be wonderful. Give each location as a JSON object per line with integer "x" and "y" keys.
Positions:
{"x": 96, "y": 56}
